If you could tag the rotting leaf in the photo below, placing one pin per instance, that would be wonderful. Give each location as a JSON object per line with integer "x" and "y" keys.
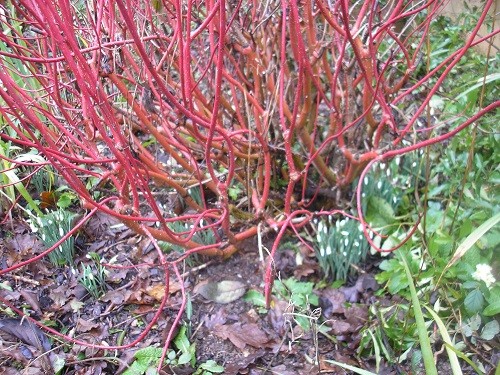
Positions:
{"x": 27, "y": 332}
{"x": 157, "y": 291}
{"x": 222, "y": 292}
{"x": 242, "y": 335}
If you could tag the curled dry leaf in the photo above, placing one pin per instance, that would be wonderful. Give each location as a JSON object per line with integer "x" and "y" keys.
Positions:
{"x": 242, "y": 335}
{"x": 225, "y": 291}
{"x": 27, "y": 332}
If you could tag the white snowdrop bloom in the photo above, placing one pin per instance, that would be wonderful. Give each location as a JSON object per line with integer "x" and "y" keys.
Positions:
{"x": 365, "y": 180}
{"x": 315, "y": 221}
{"x": 320, "y": 226}
{"x": 388, "y": 172}
{"x": 484, "y": 273}
{"x": 322, "y": 251}
{"x": 370, "y": 234}
{"x": 344, "y": 253}
{"x": 363, "y": 195}
{"x": 43, "y": 236}
{"x": 379, "y": 185}
{"x": 414, "y": 164}
{"x": 344, "y": 233}
{"x": 50, "y": 222}
{"x": 377, "y": 241}
{"x": 394, "y": 199}
{"x": 397, "y": 160}
{"x": 356, "y": 243}
{"x": 343, "y": 222}
{"x": 382, "y": 166}
{"x": 319, "y": 237}
{"x": 61, "y": 231}
{"x": 328, "y": 250}
{"x": 360, "y": 236}
{"x": 346, "y": 242}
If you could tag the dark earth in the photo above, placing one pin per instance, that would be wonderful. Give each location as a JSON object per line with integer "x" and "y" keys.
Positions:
{"x": 240, "y": 335}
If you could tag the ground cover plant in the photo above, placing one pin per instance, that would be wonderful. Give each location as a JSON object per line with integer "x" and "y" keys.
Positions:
{"x": 201, "y": 125}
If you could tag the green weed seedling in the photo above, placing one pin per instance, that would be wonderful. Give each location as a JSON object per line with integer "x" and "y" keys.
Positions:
{"x": 147, "y": 359}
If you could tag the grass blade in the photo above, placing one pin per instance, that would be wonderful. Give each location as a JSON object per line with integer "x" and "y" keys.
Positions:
{"x": 455, "y": 365}
{"x": 425, "y": 344}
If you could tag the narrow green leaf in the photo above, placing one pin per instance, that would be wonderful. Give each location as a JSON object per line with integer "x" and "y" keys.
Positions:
{"x": 356, "y": 370}
{"x": 455, "y": 365}
{"x": 425, "y": 344}
{"x": 472, "y": 239}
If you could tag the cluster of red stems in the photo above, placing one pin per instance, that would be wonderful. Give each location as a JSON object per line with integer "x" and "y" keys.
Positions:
{"x": 155, "y": 97}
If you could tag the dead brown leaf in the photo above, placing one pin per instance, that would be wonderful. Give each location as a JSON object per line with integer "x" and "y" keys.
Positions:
{"x": 27, "y": 332}
{"x": 242, "y": 335}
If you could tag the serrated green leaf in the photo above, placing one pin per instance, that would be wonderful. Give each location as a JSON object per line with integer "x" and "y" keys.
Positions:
{"x": 379, "y": 212}
{"x": 136, "y": 368}
{"x": 255, "y": 298}
{"x": 474, "y": 301}
{"x": 149, "y": 354}
{"x": 490, "y": 330}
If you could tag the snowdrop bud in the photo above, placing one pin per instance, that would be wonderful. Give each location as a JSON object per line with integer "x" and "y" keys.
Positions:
{"x": 328, "y": 250}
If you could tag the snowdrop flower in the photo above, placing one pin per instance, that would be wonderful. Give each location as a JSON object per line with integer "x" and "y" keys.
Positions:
{"x": 483, "y": 273}
{"x": 328, "y": 250}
